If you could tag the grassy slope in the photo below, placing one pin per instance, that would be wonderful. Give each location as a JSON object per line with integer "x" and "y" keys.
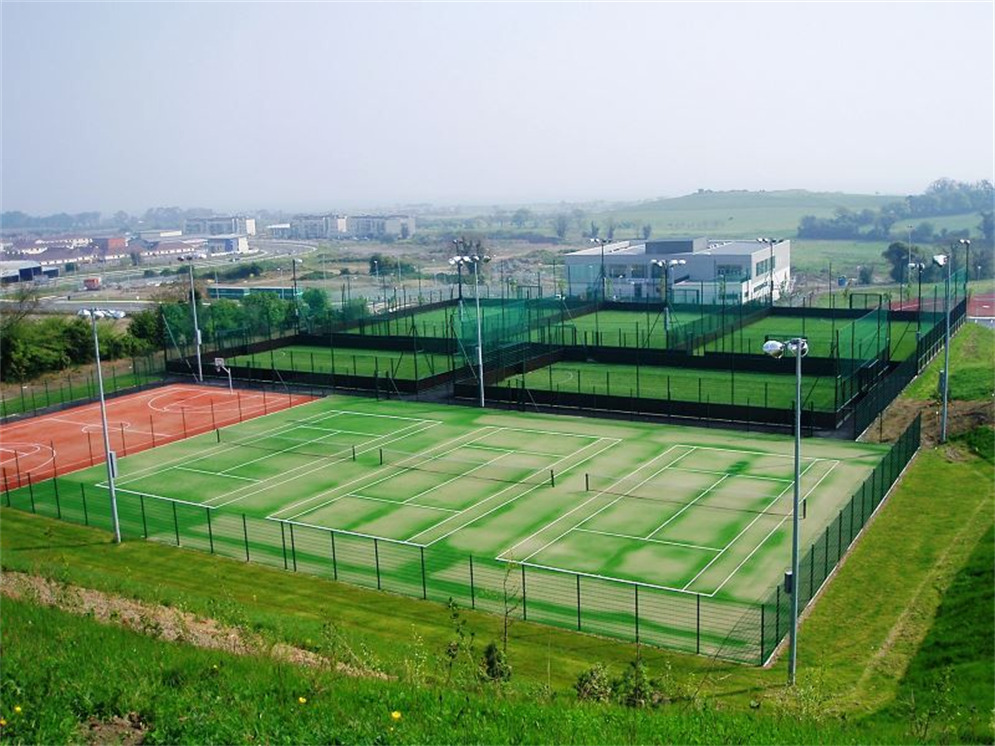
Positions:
{"x": 972, "y": 351}
{"x": 909, "y": 555}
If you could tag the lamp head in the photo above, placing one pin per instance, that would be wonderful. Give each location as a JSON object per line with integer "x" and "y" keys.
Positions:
{"x": 774, "y": 348}
{"x": 940, "y": 260}
{"x": 965, "y": 241}
{"x": 798, "y": 347}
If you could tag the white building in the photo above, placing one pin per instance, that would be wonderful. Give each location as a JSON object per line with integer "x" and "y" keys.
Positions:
{"x": 233, "y": 244}
{"x": 220, "y": 225}
{"x": 695, "y": 270}
{"x": 400, "y": 226}
{"x": 317, "y": 226}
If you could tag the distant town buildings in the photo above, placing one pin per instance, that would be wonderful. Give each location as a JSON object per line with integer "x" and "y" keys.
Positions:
{"x": 233, "y": 244}
{"x": 691, "y": 270}
{"x": 310, "y": 227}
{"x": 220, "y": 225}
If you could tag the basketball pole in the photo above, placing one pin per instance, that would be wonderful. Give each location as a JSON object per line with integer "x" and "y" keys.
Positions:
{"x": 196, "y": 329}
{"x": 109, "y": 455}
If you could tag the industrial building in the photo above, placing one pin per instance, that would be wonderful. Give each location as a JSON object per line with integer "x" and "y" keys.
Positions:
{"x": 686, "y": 270}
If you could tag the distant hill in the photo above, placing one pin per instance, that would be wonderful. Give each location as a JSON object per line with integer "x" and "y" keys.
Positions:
{"x": 735, "y": 213}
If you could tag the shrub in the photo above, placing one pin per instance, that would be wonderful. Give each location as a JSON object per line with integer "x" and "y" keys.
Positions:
{"x": 496, "y": 666}
{"x": 594, "y": 684}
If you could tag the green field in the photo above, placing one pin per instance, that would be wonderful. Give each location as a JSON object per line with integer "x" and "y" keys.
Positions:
{"x": 681, "y": 384}
{"x": 822, "y": 335}
{"x": 348, "y": 361}
{"x": 573, "y": 516}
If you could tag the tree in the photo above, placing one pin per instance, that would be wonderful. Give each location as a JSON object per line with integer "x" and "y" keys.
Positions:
{"x": 521, "y": 217}
{"x": 647, "y": 230}
{"x": 560, "y": 224}
{"x": 897, "y": 255}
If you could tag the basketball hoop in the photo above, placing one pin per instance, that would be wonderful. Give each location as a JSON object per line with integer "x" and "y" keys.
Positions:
{"x": 219, "y": 365}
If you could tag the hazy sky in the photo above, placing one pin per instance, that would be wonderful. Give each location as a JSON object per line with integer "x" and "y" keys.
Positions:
{"x": 238, "y": 106}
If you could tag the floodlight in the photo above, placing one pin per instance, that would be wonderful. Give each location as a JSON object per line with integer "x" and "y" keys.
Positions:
{"x": 940, "y": 260}
{"x": 774, "y": 348}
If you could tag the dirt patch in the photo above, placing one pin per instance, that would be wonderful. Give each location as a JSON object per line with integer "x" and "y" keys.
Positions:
{"x": 962, "y": 417}
{"x": 129, "y": 731}
{"x": 163, "y": 622}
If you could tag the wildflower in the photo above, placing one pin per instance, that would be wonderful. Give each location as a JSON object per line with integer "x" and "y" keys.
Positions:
{"x": 302, "y": 700}
{"x": 3, "y": 722}
{"x": 395, "y": 716}
{"x": 17, "y": 709}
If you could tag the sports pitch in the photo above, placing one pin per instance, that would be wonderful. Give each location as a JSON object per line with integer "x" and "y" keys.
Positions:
{"x": 687, "y": 510}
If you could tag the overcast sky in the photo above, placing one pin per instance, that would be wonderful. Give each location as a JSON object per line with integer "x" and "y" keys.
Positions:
{"x": 300, "y": 106}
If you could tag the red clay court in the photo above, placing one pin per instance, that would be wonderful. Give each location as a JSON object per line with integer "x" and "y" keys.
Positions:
{"x": 73, "y": 439}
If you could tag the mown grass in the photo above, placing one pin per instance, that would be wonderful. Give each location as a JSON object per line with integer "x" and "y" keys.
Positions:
{"x": 850, "y": 675}
{"x": 972, "y": 377}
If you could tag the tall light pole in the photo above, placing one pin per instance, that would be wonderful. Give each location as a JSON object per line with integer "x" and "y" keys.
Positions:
{"x": 297, "y": 309}
{"x": 918, "y": 266}
{"x": 475, "y": 261}
{"x": 771, "y": 242}
{"x": 966, "y": 243}
{"x": 601, "y": 242}
{"x": 799, "y": 348}
{"x": 376, "y": 272}
{"x": 109, "y": 456}
{"x": 666, "y": 265}
{"x": 909, "y": 229}
{"x": 942, "y": 260}
{"x": 196, "y": 329}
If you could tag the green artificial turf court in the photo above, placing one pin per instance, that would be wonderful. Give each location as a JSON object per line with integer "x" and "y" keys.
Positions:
{"x": 349, "y": 361}
{"x": 692, "y": 511}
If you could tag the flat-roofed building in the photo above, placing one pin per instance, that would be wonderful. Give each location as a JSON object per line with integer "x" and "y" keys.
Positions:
{"x": 694, "y": 270}
{"x": 220, "y": 225}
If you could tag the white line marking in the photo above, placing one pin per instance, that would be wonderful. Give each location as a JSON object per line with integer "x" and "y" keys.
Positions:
{"x": 214, "y": 473}
{"x": 672, "y": 518}
{"x": 357, "y": 496}
{"x": 651, "y": 541}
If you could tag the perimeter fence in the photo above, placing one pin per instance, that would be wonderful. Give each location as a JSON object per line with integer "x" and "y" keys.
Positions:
{"x": 726, "y": 628}
{"x": 73, "y": 388}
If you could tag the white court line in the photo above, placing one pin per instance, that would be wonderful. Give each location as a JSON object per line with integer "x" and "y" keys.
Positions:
{"x": 672, "y": 518}
{"x": 743, "y": 476}
{"x": 215, "y": 473}
{"x": 613, "y": 442}
{"x": 455, "y": 477}
{"x": 599, "y": 510}
{"x": 297, "y": 473}
{"x": 220, "y": 448}
{"x": 357, "y": 496}
{"x": 155, "y": 497}
{"x": 757, "y": 453}
{"x": 745, "y": 529}
{"x": 367, "y": 476}
{"x": 764, "y": 540}
{"x": 295, "y": 444}
{"x": 651, "y": 541}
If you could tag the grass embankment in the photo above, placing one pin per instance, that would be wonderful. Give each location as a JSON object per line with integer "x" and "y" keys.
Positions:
{"x": 972, "y": 351}
{"x": 855, "y": 679}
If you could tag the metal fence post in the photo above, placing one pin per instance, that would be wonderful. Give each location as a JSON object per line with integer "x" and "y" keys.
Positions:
{"x": 293, "y": 547}
{"x": 145, "y": 525}
{"x": 635, "y": 613}
{"x": 31, "y": 492}
{"x": 525, "y": 609}
{"x": 335, "y": 564}
{"x": 176, "y": 525}
{"x": 376, "y": 559}
{"x": 697, "y": 623}
{"x": 86, "y": 517}
{"x": 210, "y": 531}
{"x": 763, "y": 608}
{"x": 6, "y": 485}
{"x": 424, "y": 584}
{"x": 58, "y": 505}
{"x": 777, "y": 611}
{"x": 473, "y": 594}
{"x": 283, "y": 541}
{"x": 578, "y": 603}
{"x": 245, "y": 535}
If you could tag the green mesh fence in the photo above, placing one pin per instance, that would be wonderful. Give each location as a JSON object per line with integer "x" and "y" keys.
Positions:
{"x": 730, "y": 629}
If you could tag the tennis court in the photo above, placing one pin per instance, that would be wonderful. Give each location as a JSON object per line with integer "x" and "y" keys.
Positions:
{"x": 683, "y": 509}
{"x": 349, "y": 361}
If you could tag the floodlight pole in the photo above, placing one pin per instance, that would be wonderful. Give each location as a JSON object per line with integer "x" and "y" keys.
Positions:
{"x": 902, "y": 296}
{"x": 601, "y": 282}
{"x": 109, "y": 455}
{"x": 799, "y": 348}
{"x": 480, "y": 337}
{"x": 795, "y": 527}
{"x": 966, "y": 243}
{"x": 920, "y": 267}
{"x": 946, "y": 344}
{"x": 770, "y": 242}
{"x": 196, "y": 328}
{"x": 297, "y": 310}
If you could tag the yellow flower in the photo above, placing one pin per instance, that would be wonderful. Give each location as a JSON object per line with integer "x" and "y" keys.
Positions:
{"x": 3, "y": 722}
{"x": 17, "y": 709}
{"x": 395, "y": 715}
{"x": 302, "y": 700}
